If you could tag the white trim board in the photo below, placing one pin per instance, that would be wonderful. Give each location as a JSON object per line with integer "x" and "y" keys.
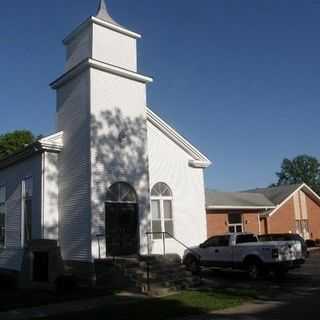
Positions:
{"x": 102, "y": 66}
{"x": 240, "y": 207}
{"x": 199, "y": 159}
{"x": 108, "y": 25}
{"x": 53, "y": 142}
{"x": 304, "y": 187}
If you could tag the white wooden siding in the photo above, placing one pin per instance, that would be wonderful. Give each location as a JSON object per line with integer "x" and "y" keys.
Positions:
{"x": 117, "y": 104}
{"x": 50, "y": 214}
{"x": 169, "y": 164}
{"x": 11, "y": 178}
{"x": 74, "y": 169}
{"x": 79, "y": 48}
{"x": 114, "y": 48}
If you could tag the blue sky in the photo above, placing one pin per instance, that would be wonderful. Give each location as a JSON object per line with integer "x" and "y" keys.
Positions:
{"x": 239, "y": 79}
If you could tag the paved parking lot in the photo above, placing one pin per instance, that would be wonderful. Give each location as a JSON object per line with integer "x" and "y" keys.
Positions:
{"x": 296, "y": 297}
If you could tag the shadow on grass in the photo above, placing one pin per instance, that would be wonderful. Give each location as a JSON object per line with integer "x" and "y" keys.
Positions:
{"x": 183, "y": 304}
{"x": 14, "y": 299}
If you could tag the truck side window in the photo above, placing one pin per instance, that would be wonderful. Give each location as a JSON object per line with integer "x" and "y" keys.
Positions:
{"x": 246, "y": 238}
{"x": 223, "y": 241}
{"x": 217, "y": 241}
{"x": 212, "y": 242}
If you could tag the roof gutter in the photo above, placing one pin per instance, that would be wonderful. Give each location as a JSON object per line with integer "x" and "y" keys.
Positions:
{"x": 241, "y": 207}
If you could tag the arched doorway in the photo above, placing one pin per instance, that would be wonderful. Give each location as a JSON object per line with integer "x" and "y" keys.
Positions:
{"x": 122, "y": 222}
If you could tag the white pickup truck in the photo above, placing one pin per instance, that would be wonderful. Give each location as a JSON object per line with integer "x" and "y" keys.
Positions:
{"x": 244, "y": 251}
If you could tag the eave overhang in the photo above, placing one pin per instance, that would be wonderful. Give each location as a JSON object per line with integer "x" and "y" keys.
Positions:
{"x": 95, "y": 64}
{"x": 199, "y": 160}
{"x": 303, "y": 187}
{"x": 51, "y": 143}
{"x": 240, "y": 207}
{"x": 103, "y": 23}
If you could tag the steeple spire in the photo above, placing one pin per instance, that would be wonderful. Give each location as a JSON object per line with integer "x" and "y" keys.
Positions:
{"x": 103, "y": 13}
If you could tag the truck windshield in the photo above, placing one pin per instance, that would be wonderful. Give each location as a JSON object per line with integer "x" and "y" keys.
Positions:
{"x": 246, "y": 238}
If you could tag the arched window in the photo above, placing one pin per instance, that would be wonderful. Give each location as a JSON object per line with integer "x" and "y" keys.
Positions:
{"x": 121, "y": 192}
{"x": 161, "y": 209}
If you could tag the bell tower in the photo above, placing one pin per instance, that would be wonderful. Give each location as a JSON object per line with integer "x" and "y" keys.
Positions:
{"x": 101, "y": 108}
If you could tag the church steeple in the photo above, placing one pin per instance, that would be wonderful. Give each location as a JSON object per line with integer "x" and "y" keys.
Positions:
{"x": 103, "y": 14}
{"x": 102, "y": 39}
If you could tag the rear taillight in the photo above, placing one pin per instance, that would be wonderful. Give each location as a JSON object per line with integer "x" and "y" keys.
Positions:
{"x": 275, "y": 253}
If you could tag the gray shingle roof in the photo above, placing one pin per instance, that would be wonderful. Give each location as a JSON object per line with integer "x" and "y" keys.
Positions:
{"x": 277, "y": 194}
{"x": 261, "y": 197}
{"x": 234, "y": 199}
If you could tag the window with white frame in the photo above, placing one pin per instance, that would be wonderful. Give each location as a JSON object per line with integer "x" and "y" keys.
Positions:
{"x": 27, "y": 192}
{"x": 161, "y": 209}
{"x": 235, "y": 222}
{"x": 2, "y": 216}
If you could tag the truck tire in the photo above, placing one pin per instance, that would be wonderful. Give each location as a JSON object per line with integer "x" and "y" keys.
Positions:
{"x": 253, "y": 268}
{"x": 192, "y": 264}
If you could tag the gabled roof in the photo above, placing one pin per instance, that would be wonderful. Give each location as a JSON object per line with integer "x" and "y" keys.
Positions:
{"x": 237, "y": 200}
{"x": 270, "y": 199}
{"x": 199, "y": 160}
{"x": 295, "y": 188}
{"x": 52, "y": 143}
{"x": 277, "y": 194}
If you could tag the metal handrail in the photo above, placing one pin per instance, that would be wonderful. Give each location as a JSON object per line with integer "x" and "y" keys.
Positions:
{"x": 174, "y": 238}
{"x": 197, "y": 255}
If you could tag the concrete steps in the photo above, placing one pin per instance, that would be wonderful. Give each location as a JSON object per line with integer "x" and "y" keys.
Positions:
{"x": 154, "y": 275}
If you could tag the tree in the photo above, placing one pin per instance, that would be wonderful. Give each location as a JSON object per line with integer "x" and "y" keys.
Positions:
{"x": 301, "y": 169}
{"x": 15, "y": 141}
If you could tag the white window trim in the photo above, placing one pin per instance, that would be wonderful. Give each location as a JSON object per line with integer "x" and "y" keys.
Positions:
{"x": 235, "y": 225}
{"x": 161, "y": 199}
{"x": 23, "y": 196}
{"x": 5, "y": 216}
{"x": 23, "y": 192}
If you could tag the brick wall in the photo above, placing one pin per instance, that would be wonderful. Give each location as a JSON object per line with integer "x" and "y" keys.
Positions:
{"x": 217, "y": 222}
{"x": 251, "y": 223}
{"x": 283, "y": 220}
{"x": 314, "y": 218}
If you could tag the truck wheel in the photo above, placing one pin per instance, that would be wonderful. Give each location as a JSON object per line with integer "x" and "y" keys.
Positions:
{"x": 193, "y": 264}
{"x": 254, "y": 269}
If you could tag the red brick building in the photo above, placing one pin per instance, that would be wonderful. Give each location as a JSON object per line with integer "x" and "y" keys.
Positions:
{"x": 284, "y": 209}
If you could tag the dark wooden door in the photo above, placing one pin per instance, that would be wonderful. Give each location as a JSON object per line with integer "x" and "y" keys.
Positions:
{"x": 122, "y": 235}
{"x": 41, "y": 266}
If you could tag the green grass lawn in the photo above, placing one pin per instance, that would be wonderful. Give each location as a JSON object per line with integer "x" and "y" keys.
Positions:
{"x": 178, "y": 305}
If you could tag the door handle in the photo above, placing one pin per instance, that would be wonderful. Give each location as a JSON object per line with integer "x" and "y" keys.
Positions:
{"x": 216, "y": 251}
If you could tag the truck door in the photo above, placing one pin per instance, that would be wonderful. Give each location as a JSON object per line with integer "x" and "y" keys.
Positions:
{"x": 222, "y": 252}
{"x": 206, "y": 251}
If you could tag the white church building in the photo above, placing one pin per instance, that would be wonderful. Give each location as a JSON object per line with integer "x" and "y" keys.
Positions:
{"x": 112, "y": 172}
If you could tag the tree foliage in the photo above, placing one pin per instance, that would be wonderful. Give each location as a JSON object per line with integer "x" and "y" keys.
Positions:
{"x": 301, "y": 169}
{"x": 15, "y": 141}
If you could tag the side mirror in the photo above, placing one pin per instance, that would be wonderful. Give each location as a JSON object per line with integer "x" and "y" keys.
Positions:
{"x": 202, "y": 245}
